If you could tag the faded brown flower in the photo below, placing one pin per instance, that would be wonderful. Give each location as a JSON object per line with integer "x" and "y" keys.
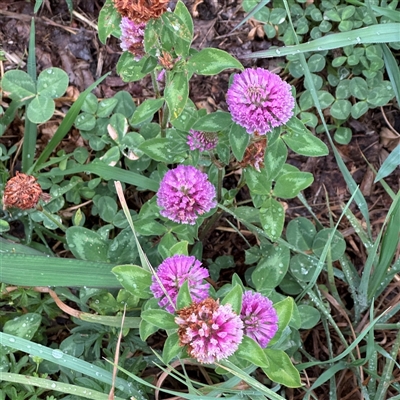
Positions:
{"x": 254, "y": 154}
{"x": 166, "y": 60}
{"x": 21, "y": 192}
{"x": 141, "y": 10}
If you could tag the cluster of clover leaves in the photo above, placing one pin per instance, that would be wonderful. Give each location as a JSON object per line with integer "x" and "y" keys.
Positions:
{"x": 349, "y": 80}
{"x": 128, "y": 144}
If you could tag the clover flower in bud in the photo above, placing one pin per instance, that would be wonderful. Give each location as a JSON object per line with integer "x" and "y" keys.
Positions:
{"x": 132, "y": 37}
{"x": 259, "y": 318}
{"x": 184, "y": 194}
{"x": 212, "y": 332}
{"x": 259, "y": 100}
{"x": 172, "y": 273}
{"x": 203, "y": 141}
{"x": 22, "y": 191}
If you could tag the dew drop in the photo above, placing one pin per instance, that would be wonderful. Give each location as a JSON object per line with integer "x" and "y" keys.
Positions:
{"x": 57, "y": 354}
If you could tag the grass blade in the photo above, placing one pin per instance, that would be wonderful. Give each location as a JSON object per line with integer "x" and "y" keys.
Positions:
{"x": 32, "y": 270}
{"x": 386, "y": 378}
{"x": 52, "y": 385}
{"x": 109, "y": 173}
{"x": 390, "y": 164}
{"x": 389, "y": 246}
{"x": 392, "y": 69}
{"x": 379, "y": 33}
{"x": 30, "y": 133}
{"x": 65, "y": 126}
{"x": 67, "y": 361}
{"x": 257, "y": 8}
{"x": 9, "y": 115}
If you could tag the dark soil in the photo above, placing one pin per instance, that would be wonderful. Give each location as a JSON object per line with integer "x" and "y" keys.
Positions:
{"x": 71, "y": 43}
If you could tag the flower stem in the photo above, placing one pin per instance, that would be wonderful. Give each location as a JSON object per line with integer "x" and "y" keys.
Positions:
{"x": 155, "y": 84}
{"x": 164, "y": 120}
{"x": 52, "y": 219}
{"x": 210, "y": 223}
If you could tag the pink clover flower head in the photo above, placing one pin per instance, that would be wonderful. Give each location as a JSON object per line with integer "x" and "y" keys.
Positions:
{"x": 211, "y": 331}
{"x": 259, "y": 318}
{"x": 259, "y": 100}
{"x": 132, "y": 37}
{"x": 184, "y": 194}
{"x": 172, "y": 273}
{"x": 204, "y": 141}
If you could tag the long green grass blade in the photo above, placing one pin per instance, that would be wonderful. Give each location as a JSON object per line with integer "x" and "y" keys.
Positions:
{"x": 65, "y": 126}
{"x": 257, "y": 8}
{"x": 390, "y": 164}
{"x": 9, "y": 115}
{"x": 392, "y": 69}
{"x": 233, "y": 369}
{"x": 324, "y": 254}
{"x": 30, "y": 133}
{"x": 326, "y": 375}
{"x": 379, "y": 33}
{"x": 345, "y": 353}
{"x": 110, "y": 173}
{"x": 47, "y": 384}
{"x": 8, "y": 246}
{"x": 386, "y": 378}
{"x": 65, "y": 360}
{"x": 389, "y": 246}
{"x": 379, "y": 11}
{"x": 31, "y": 270}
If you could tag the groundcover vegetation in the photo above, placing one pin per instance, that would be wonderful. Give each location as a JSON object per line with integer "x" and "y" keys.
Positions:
{"x": 101, "y": 299}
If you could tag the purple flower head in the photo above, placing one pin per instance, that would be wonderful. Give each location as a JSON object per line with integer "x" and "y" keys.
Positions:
{"x": 132, "y": 37}
{"x": 259, "y": 100}
{"x": 202, "y": 140}
{"x": 212, "y": 332}
{"x": 259, "y": 317}
{"x": 184, "y": 194}
{"x": 173, "y": 272}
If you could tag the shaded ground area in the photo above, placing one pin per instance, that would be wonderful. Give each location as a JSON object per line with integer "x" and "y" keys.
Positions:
{"x": 70, "y": 42}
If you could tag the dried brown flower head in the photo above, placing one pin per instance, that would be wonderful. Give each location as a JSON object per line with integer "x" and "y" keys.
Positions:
{"x": 141, "y": 10}
{"x": 166, "y": 60}
{"x": 254, "y": 154}
{"x": 21, "y": 192}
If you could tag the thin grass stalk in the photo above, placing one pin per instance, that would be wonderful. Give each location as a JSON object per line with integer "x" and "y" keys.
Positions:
{"x": 388, "y": 370}
{"x": 303, "y": 200}
{"x": 143, "y": 257}
{"x": 319, "y": 304}
{"x": 372, "y": 364}
{"x": 321, "y": 261}
{"x": 332, "y": 283}
{"x": 257, "y": 8}
{"x": 389, "y": 246}
{"x": 30, "y": 133}
{"x": 332, "y": 380}
{"x": 353, "y": 280}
